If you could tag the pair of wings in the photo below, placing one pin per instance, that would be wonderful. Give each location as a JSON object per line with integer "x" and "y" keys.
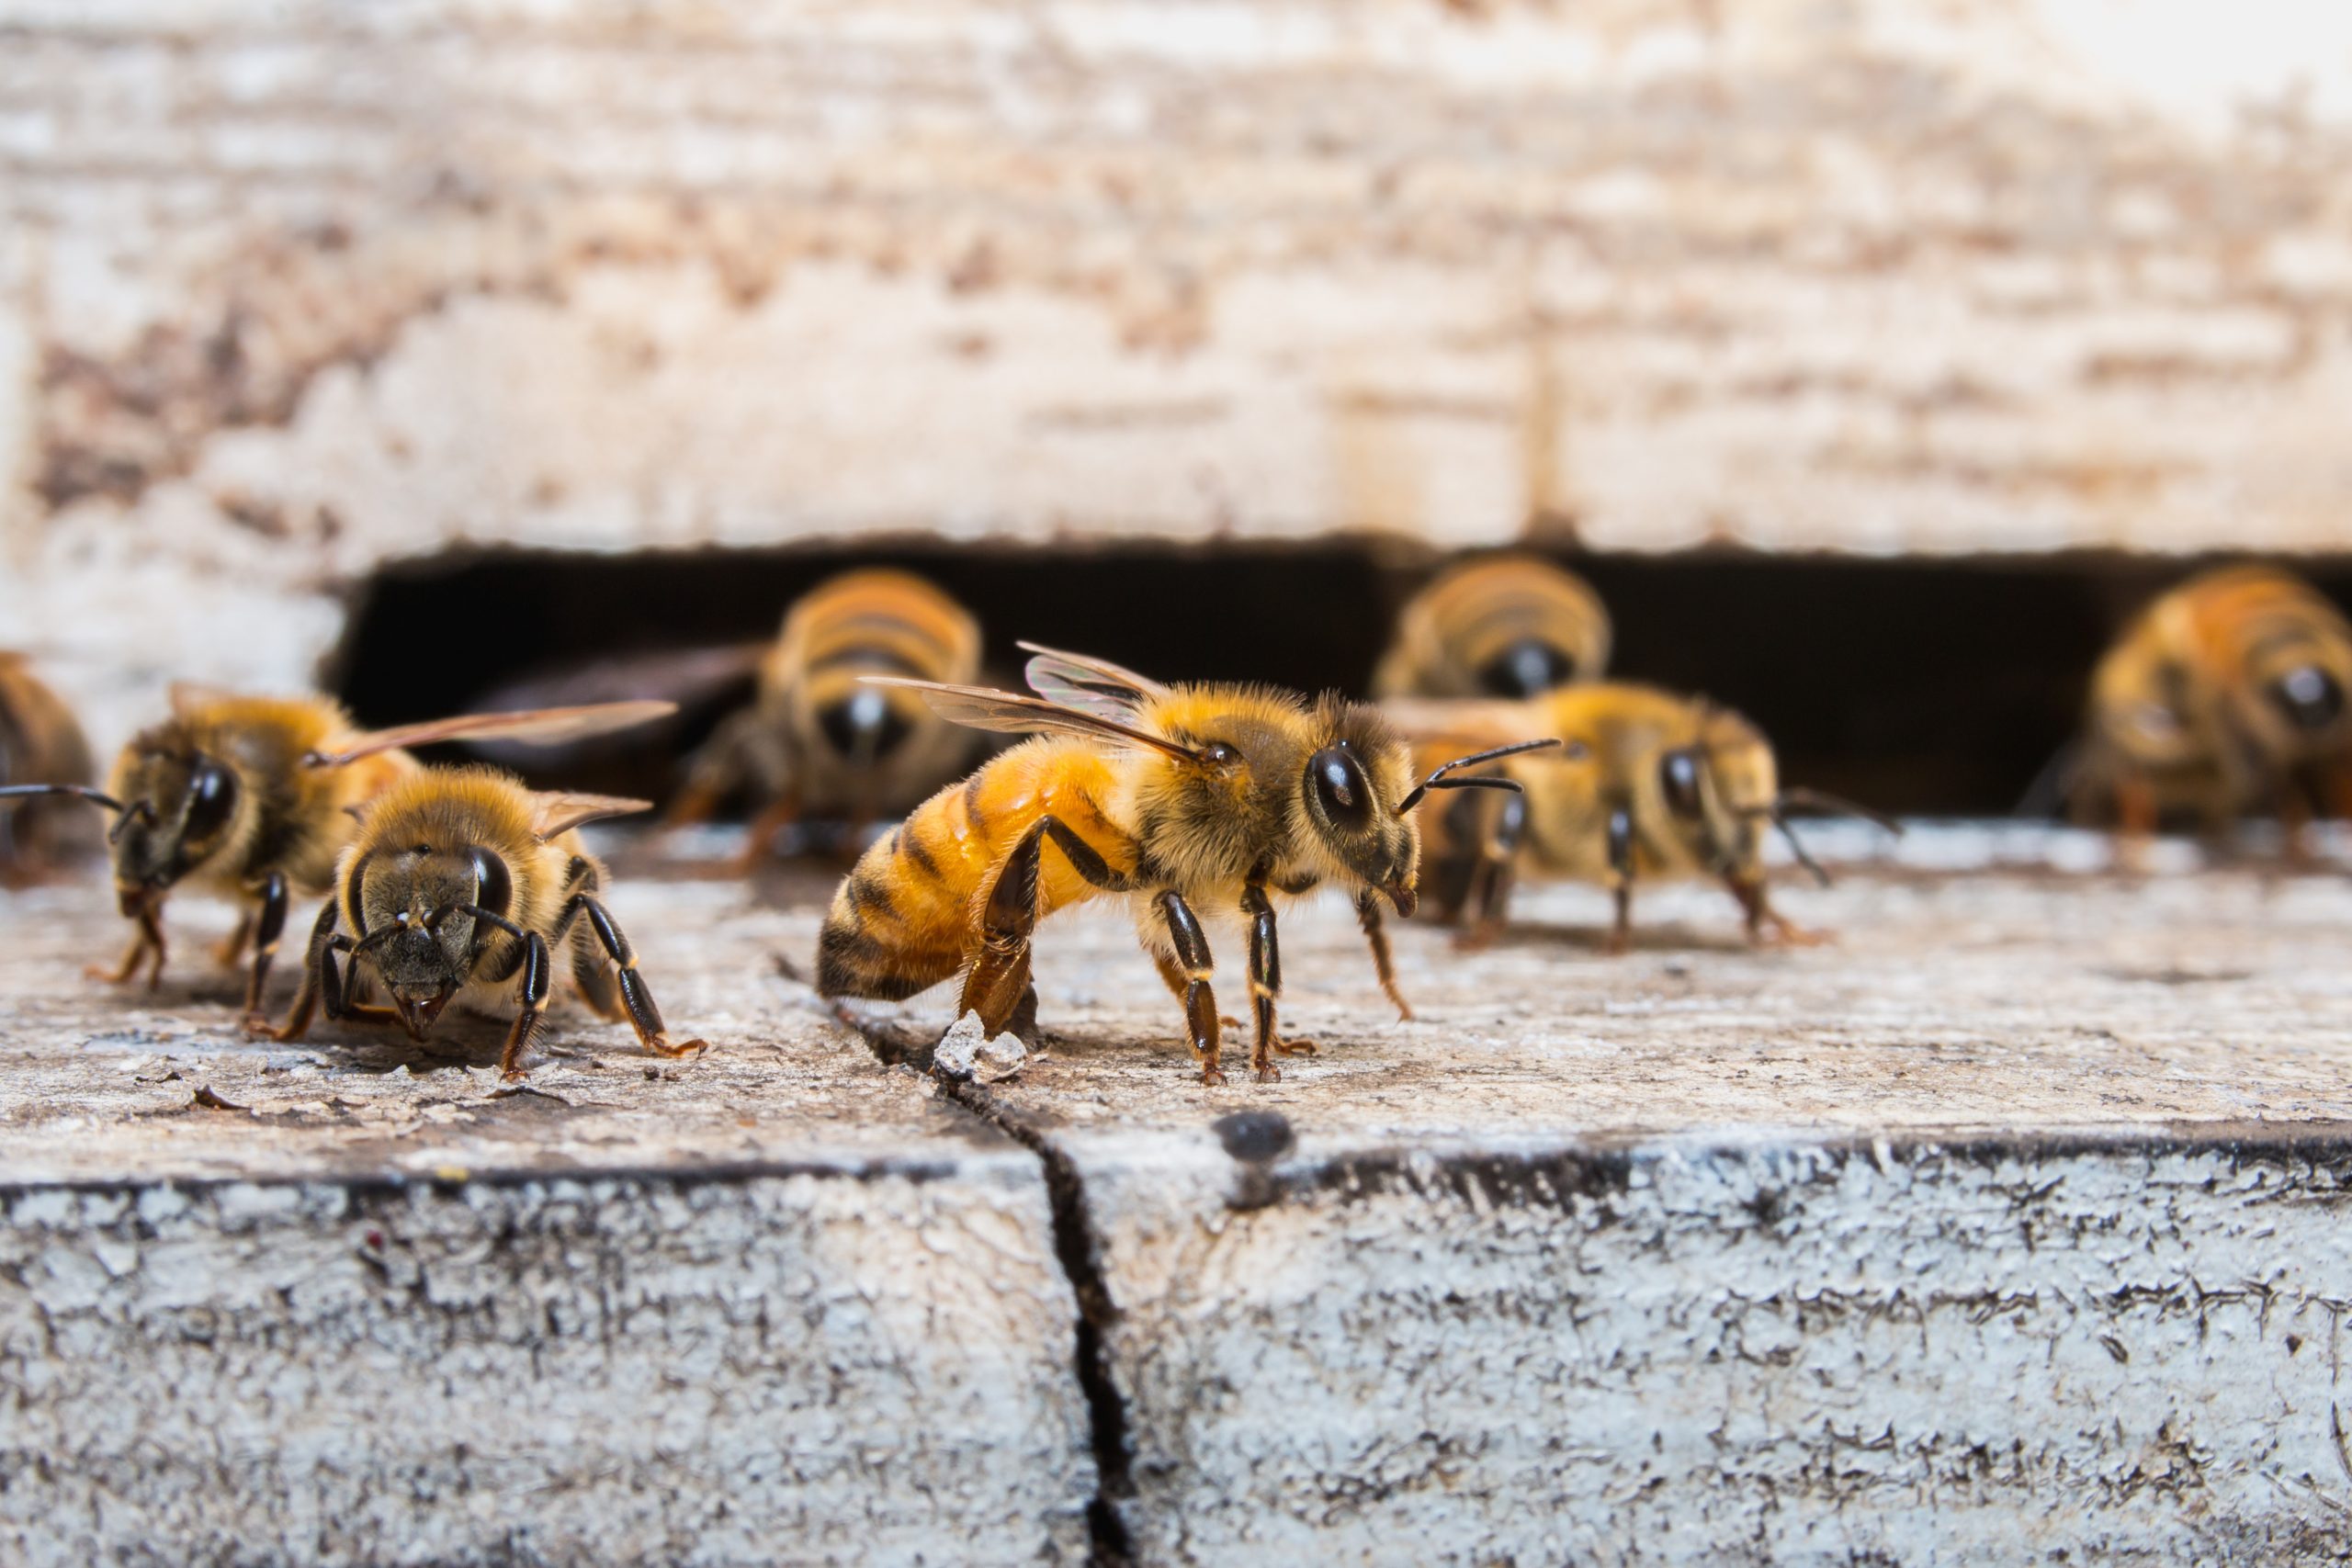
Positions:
{"x": 1077, "y": 695}
{"x": 553, "y": 812}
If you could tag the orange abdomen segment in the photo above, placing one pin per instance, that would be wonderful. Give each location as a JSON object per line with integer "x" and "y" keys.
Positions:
{"x": 905, "y": 917}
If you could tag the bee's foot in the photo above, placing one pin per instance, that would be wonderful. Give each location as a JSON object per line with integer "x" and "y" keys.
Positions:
{"x": 1212, "y": 1078}
{"x": 1270, "y": 1074}
{"x": 1296, "y": 1047}
{"x": 662, "y": 1046}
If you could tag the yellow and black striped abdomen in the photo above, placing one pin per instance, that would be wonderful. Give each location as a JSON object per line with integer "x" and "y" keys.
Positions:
{"x": 905, "y": 918}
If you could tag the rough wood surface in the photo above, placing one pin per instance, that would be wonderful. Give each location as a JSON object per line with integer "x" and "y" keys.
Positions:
{"x": 2007, "y": 1226}
{"x": 290, "y": 291}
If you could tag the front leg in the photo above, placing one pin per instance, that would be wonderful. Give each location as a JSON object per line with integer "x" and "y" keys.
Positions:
{"x": 1765, "y": 924}
{"x": 1382, "y": 961}
{"x": 148, "y": 939}
{"x": 1621, "y": 871}
{"x": 532, "y": 995}
{"x": 1266, "y": 984}
{"x": 1191, "y": 945}
{"x": 321, "y": 979}
{"x": 1497, "y": 860}
{"x": 637, "y": 999}
{"x": 267, "y": 927}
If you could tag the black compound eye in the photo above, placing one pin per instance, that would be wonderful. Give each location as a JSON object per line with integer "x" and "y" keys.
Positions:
{"x": 1340, "y": 787}
{"x": 2308, "y": 695}
{"x": 864, "y": 726}
{"x": 1678, "y": 778}
{"x": 1528, "y": 668}
{"x": 493, "y": 888}
{"x": 211, "y": 796}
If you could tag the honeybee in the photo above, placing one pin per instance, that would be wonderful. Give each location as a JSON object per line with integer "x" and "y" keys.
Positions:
{"x": 252, "y": 799}
{"x": 40, "y": 744}
{"x": 2224, "y": 696}
{"x": 1506, "y": 626}
{"x": 1182, "y": 800}
{"x": 460, "y": 884}
{"x": 817, "y": 740}
{"x": 1645, "y": 784}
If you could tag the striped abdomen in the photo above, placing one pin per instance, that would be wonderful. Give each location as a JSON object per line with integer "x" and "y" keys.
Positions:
{"x": 904, "y": 918}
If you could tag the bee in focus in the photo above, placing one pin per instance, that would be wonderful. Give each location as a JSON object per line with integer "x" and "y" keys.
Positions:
{"x": 460, "y": 886}
{"x": 2224, "y": 698}
{"x": 40, "y": 745}
{"x": 1508, "y": 626}
{"x": 819, "y": 743}
{"x": 1646, "y": 784}
{"x": 1184, "y": 801}
{"x": 252, "y": 799}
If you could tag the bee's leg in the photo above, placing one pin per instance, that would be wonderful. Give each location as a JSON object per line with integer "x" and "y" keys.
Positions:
{"x": 230, "y": 949}
{"x": 268, "y": 926}
{"x": 590, "y": 975}
{"x": 759, "y": 839}
{"x": 1498, "y": 855}
{"x": 532, "y": 996}
{"x": 1266, "y": 984}
{"x": 1193, "y": 962}
{"x": 321, "y": 980}
{"x": 637, "y": 999}
{"x": 996, "y": 986}
{"x": 1382, "y": 961}
{"x": 1764, "y": 922}
{"x": 717, "y": 769}
{"x": 146, "y": 941}
{"x": 1621, "y": 868}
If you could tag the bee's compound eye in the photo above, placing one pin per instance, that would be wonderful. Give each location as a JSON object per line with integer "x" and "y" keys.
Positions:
{"x": 1527, "y": 668}
{"x": 1340, "y": 787}
{"x": 2309, "y": 697}
{"x": 1678, "y": 779}
{"x": 211, "y": 797}
{"x": 493, "y": 886}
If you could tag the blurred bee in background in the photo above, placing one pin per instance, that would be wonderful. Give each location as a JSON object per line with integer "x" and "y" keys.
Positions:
{"x": 41, "y": 744}
{"x": 1508, "y": 626}
{"x": 1178, "y": 799}
{"x": 2224, "y": 698}
{"x": 252, "y": 799}
{"x": 1646, "y": 785}
{"x": 819, "y": 743}
{"x": 460, "y": 884}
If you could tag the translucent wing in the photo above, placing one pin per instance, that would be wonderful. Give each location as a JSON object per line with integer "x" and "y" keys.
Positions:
{"x": 1477, "y": 724}
{"x": 560, "y": 813}
{"x": 980, "y": 708}
{"x": 1091, "y": 685}
{"x": 537, "y": 726}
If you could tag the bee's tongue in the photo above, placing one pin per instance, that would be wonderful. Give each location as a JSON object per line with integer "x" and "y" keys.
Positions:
{"x": 1401, "y": 894}
{"x": 419, "y": 1016}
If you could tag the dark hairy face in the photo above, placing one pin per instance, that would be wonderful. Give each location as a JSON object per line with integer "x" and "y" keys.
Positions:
{"x": 414, "y": 913}
{"x": 180, "y": 808}
{"x": 1348, "y": 794}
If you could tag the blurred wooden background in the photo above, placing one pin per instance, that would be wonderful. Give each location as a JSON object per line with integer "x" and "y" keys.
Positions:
{"x": 288, "y": 291}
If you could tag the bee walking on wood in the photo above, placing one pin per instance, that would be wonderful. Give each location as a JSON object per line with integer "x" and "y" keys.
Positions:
{"x": 462, "y": 884}
{"x": 40, "y": 745}
{"x": 1646, "y": 784}
{"x": 2224, "y": 698}
{"x": 818, "y": 740}
{"x": 1509, "y": 625}
{"x": 1182, "y": 800}
{"x": 252, "y": 799}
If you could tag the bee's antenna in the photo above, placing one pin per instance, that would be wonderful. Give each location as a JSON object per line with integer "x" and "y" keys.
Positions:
{"x": 1438, "y": 779}
{"x": 1838, "y": 804}
{"x": 124, "y": 815}
{"x": 1796, "y": 845}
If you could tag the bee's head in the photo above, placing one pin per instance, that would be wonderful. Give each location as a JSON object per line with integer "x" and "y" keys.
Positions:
{"x": 1351, "y": 802}
{"x": 2298, "y": 685}
{"x": 180, "y": 807}
{"x": 1719, "y": 791}
{"x": 423, "y": 917}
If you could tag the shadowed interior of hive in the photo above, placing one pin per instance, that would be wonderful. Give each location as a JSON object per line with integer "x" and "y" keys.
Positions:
{"x": 1920, "y": 687}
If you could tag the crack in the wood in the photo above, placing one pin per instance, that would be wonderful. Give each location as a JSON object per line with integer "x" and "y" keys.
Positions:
{"x": 1076, "y": 1249}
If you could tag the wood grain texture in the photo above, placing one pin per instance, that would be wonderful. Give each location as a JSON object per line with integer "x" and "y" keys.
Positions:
{"x": 287, "y": 291}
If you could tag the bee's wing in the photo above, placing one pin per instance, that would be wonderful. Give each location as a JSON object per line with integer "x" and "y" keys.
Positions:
{"x": 560, "y": 812}
{"x": 539, "y": 726}
{"x": 1091, "y": 685}
{"x": 980, "y": 708}
{"x": 1480, "y": 723}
